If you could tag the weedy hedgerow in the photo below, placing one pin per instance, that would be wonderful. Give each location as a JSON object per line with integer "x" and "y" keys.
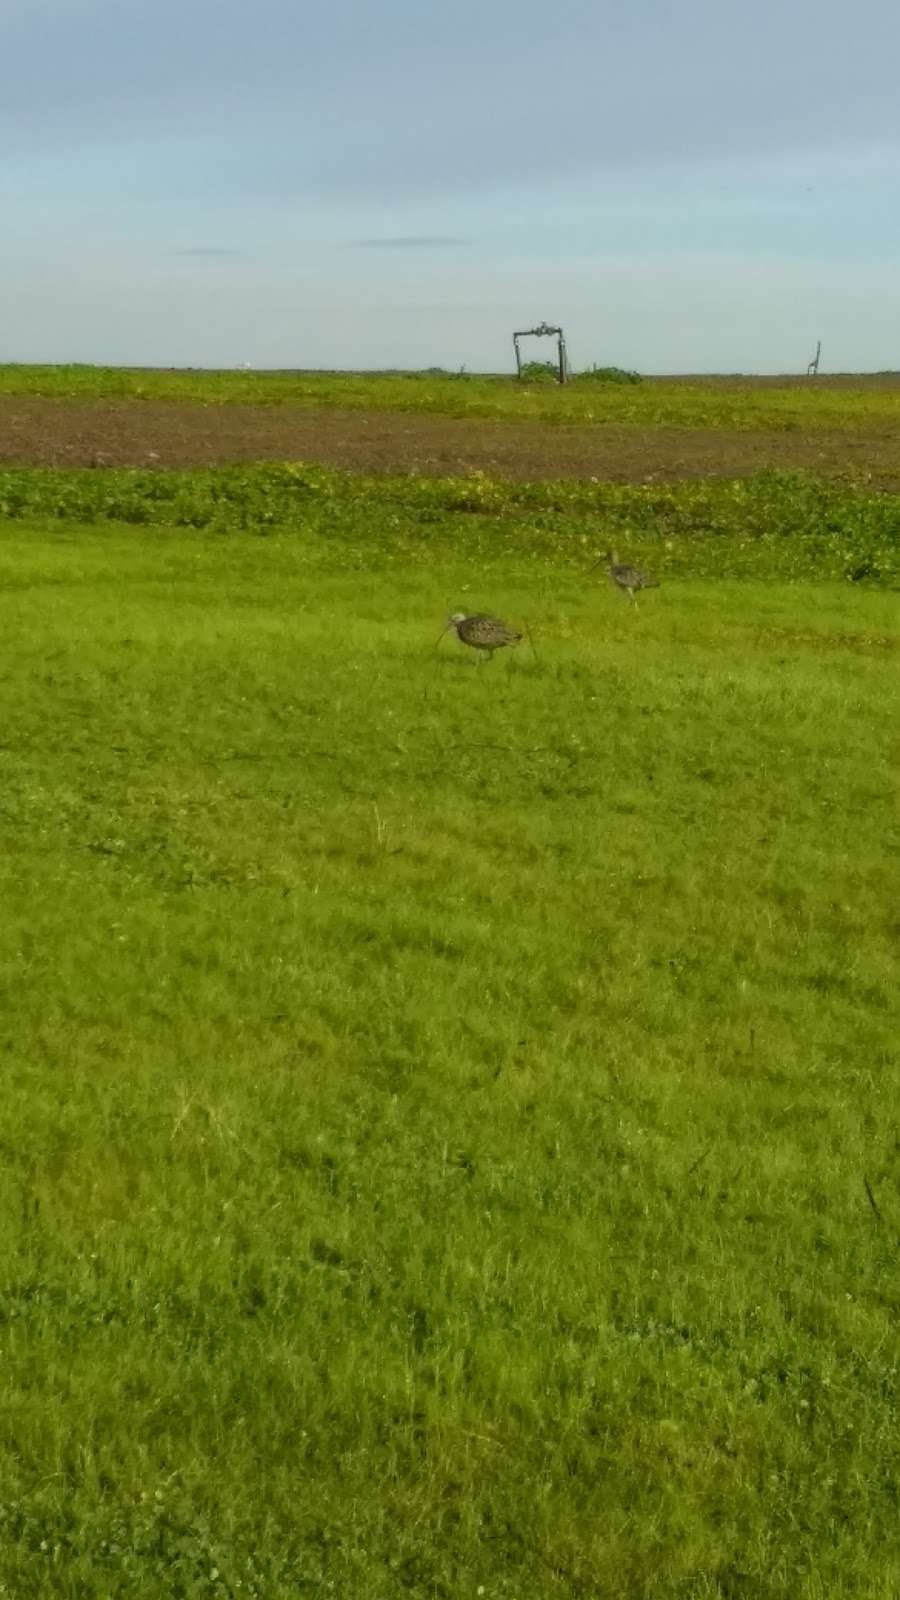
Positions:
{"x": 449, "y": 1134}
{"x": 775, "y": 526}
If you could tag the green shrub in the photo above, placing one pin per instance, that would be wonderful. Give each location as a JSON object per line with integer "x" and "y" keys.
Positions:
{"x": 610, "y": 375}
{"x": 539, "y": 372}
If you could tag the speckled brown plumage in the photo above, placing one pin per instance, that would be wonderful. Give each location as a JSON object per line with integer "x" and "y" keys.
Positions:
{"x": 483, "y": 632}
{"x": 626, "y": 578}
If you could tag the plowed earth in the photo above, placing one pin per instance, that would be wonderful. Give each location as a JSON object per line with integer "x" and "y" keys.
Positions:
{"x": 37, "y": 431}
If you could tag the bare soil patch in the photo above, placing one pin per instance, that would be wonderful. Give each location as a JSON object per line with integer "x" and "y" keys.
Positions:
{"x": 65, "y": 433}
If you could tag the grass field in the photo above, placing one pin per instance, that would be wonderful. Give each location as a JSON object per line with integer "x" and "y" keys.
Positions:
{"x": 450, "y": 1135}
{"x": 868, "y": 403}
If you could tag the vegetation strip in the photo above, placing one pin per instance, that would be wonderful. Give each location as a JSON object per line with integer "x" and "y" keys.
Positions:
{"x": 775, "y": 525}
{"x": 685, "y": 402}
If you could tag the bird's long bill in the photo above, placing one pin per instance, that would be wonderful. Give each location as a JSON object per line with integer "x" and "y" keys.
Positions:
{"x": 445, "y": 629}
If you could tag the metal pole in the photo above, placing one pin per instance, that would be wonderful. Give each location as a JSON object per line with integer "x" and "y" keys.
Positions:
{"x": 518, "y": 356}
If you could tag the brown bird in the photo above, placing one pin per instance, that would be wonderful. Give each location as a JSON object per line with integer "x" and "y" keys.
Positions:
{"x": 626, "y": 578}
{"x": 481, "y": 632}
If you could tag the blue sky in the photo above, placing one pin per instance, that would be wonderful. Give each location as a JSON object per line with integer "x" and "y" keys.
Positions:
{"x": 692, "y": 185}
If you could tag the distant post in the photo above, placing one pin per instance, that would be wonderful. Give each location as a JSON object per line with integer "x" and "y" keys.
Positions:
{"x": 542, "y": 329}
{"x": 812, "y": 370}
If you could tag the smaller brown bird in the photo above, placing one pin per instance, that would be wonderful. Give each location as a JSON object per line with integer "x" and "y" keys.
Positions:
{"x": 481, "y": 632}
{"x": 626, "y": 578}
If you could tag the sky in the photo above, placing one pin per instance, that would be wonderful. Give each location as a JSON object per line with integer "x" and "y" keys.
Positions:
{"x": 685, "y": 185}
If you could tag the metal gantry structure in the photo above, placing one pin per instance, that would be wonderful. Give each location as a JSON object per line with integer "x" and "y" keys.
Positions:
{"x": 812, "y": 370}
{"x": 542, "y": 330}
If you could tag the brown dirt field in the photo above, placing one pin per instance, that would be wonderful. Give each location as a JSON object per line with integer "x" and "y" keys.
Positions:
{"x": 126, "y": 433}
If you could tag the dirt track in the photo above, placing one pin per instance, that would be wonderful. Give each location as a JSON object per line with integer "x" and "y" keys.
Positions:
{"x": 42, "y": 432}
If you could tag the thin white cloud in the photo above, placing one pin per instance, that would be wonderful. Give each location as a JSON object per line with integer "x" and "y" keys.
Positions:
{"x": 412, "y": 241}
{"x": 210, "y": 253}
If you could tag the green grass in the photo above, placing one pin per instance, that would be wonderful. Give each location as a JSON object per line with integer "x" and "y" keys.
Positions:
{"x": 438, "y": 1098}
{"x": 683, "y": 403}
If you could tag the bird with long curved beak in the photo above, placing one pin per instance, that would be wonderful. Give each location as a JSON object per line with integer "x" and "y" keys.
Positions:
{"x": 481, "y": 632}
{"x": 626, "y": 578}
